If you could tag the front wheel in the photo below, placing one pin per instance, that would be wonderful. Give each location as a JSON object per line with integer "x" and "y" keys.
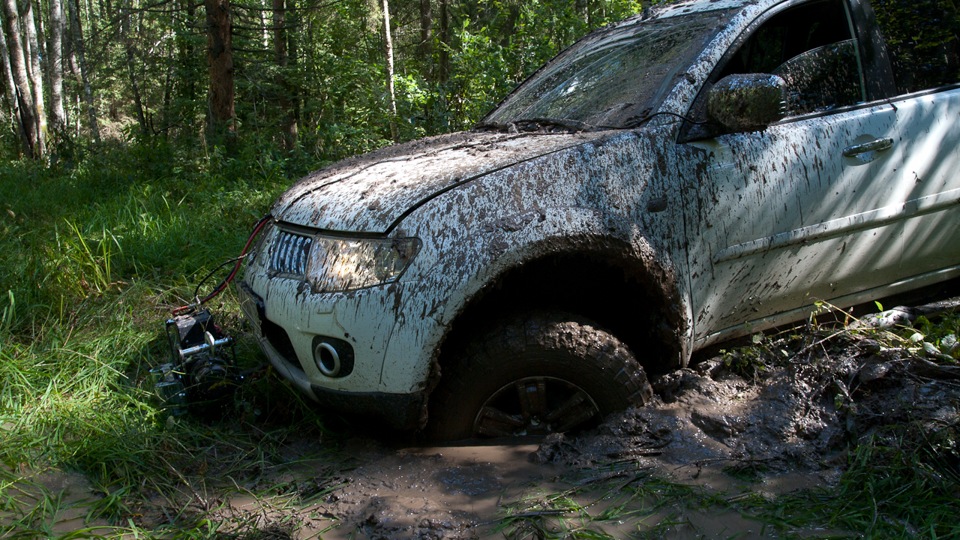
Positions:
{"x": 532, "y": 375}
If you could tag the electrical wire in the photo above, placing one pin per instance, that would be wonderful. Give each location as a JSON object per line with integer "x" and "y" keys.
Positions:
{"x": 237, "y": 262}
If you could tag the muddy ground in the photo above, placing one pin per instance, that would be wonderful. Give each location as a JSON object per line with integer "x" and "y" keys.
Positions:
{"x": 767, "y": 419}
{"x": 776, "y": 416}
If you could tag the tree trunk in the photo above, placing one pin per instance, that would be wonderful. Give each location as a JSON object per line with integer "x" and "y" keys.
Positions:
{"x": 131, "y": 70}
{"x": 187, "y": 51}
{"x": 21, "y": 80}
{"x": 287, "y": 99}
{"x": 36, "y": 78}
{"x": 391, "y": 93}
{"x": 425, "y": 46}
{"x": 9, "y": 87}
{"x": 221, "y": 126}
{"x": 168, "y": 85}
{"x": 444, "y": 61}
{"x": 58, "y": 115}
{"x": 78, "y": 51}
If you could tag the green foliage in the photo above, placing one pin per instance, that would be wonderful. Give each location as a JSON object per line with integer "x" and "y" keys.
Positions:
{"x": 479, "y": 68}
{"x": 126, "y": 214}
{"x": 923, "y": 54}
{"x": 939, "y": 338}
{"x": 148, "y": 70}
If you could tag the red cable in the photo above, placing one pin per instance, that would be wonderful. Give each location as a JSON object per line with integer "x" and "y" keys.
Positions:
{"x": 233, "y": 273}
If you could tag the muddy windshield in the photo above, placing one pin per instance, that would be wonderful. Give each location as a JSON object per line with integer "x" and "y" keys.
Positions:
{"x": 611, "y": 79}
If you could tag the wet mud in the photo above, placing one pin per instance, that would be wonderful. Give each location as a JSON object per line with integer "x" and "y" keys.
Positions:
{"x": 733, "y": 425}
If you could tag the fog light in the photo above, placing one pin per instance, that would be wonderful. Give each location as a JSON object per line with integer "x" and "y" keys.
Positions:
{"x": 333, "y": 357}
{"x": 327, "y": 359}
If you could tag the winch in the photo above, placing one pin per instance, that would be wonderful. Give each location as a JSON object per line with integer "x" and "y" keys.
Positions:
{"x": 202, "y": 372}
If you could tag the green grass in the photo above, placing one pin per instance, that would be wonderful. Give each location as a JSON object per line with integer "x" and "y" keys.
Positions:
{"x": 890, "y": 490}
{"x": 93, "y": 256}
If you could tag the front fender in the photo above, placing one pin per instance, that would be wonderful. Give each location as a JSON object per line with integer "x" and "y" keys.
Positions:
{"x": 515, "y": 241}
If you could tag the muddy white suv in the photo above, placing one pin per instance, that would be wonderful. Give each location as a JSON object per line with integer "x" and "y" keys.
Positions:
{"x": 702, "y": 171}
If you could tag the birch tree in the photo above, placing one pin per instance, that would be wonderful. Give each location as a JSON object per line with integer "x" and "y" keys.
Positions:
{"x": 32, "y": 42}
{"x": 9, "y": 88}
{"x": 22, "y": 93}
{"x": 58, "y": 115}
{"x": 391, "y": 92}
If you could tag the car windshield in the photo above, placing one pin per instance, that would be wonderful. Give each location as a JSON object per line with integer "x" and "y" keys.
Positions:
{"x": 611, "y": 79}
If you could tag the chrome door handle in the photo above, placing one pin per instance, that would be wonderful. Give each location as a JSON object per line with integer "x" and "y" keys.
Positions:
{"x": 876, "y": 145}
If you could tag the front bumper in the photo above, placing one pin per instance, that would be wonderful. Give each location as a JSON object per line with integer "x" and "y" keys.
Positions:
{"x": 356, "y": 392}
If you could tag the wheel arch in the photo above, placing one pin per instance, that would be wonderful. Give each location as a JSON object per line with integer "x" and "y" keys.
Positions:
{"x": 629, "y": 291}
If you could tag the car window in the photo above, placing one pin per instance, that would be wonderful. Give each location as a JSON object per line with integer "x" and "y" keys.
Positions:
{"x": 613, "y": 78}
{"x": 811, "y": 47}
{"x": 922, "y": 41}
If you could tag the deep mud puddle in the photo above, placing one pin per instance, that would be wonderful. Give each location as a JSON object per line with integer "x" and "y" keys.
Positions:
{"x": 497, "y": 491}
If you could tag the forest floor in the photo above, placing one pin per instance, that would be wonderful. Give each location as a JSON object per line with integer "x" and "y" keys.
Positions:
{"x": 731, "y": 447}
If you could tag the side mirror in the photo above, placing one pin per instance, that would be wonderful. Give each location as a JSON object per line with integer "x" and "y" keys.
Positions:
{"x": 747, "y": 101}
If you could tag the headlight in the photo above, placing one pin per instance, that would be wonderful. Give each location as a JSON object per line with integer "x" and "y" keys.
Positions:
{"x": 342, "y": 264}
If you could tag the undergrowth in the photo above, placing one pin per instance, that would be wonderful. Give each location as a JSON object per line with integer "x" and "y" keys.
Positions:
{"x": 94, "y": 254}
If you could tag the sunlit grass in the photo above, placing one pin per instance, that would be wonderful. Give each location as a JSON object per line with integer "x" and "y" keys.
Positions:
{"x": 92, "y": 260}
{"x": 887, "y": 491}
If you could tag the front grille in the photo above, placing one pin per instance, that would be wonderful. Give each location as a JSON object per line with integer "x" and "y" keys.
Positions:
{"x": 290, "y": 252}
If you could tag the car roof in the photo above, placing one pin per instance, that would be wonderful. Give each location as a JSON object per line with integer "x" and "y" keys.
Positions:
{"x": 683, "y": 7}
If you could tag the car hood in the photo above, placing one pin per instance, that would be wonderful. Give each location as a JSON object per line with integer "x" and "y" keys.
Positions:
{"x": 373, "y": 192}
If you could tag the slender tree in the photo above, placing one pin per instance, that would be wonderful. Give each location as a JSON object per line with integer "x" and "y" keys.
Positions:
{"x": 58, "y": 115}
{"x": 32, "y": 42}
{"x": 388, "y": 50}
{"x": 287, "y": 100}
{"x": 79, "y": 65}
{"x": 425, "y": 47}
{"x": 445, "y": 45}
{"x": 9, "y": 88}
{"x": 130, "y": 53}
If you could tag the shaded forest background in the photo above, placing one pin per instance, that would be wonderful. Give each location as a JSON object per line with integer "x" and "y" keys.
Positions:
{"x": 315, "y": 79}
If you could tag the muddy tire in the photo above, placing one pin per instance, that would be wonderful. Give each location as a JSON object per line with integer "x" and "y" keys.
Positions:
{"x": 533, "y": 375}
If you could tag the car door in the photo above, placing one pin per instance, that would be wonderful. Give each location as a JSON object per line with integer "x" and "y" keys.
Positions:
{"x": 802, "y": 210}
{"x": 923, "y": 41}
